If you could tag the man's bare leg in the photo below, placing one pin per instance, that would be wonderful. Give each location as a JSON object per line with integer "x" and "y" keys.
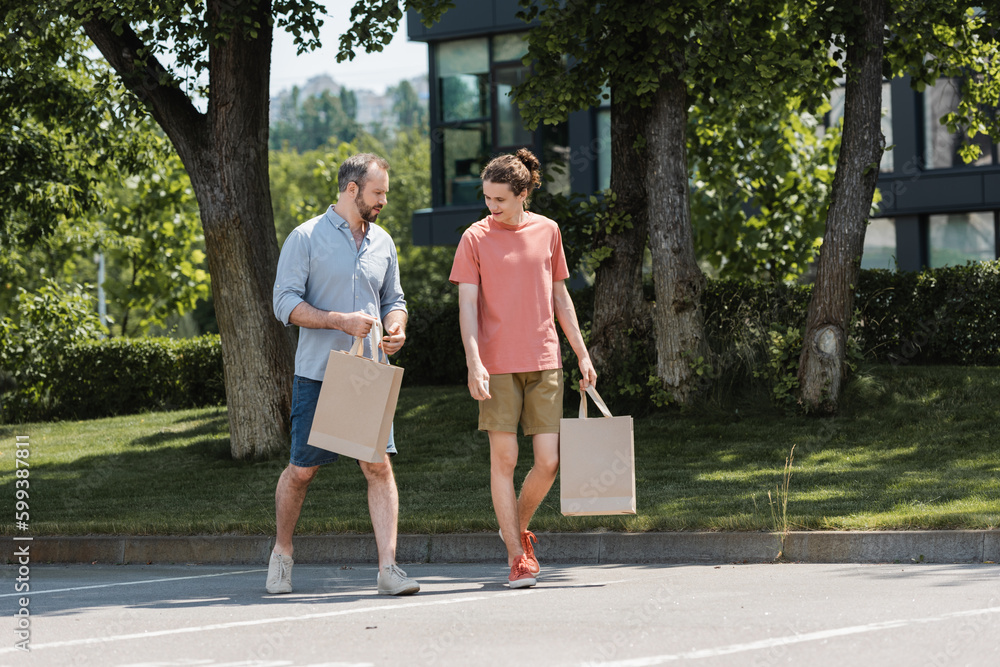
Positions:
{"x": 288, "y": 499}
{"x": 383, "y": 505}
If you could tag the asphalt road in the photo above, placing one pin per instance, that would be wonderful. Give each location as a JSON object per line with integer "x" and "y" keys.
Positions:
{"x": 601, "y": 615}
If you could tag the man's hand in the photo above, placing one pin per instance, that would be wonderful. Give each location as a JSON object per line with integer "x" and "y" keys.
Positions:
{"x": 479, "y": 382}
{"x": 394, "y": 338}
{"x": 588, "y": 373}
{"x": 358, "y": 324}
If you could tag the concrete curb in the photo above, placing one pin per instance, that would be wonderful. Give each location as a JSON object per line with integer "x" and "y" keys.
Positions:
{"x": 925, "y": 546}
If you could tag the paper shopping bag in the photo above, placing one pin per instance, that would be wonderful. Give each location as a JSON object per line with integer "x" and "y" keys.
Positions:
{"x": 357, "y": 403}
{"x": 597, "y": 462}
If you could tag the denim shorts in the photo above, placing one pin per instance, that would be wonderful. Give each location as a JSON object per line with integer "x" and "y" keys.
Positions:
{"x": 305, "y": 394}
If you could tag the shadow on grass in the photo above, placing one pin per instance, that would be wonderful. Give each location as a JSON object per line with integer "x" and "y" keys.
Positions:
{"x": 896, "y": 458}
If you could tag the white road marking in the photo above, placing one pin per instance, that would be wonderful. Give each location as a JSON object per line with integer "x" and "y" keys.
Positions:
{"x": 267, "y": 621}
{"x": 785, "y": 641}
{"x": 33, "y": 592}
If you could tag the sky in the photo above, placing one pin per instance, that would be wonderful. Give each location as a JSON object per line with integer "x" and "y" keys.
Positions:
{"x": 400, "y": 60}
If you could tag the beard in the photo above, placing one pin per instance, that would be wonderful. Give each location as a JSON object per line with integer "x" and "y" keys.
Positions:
{"x": 368, "y": 213}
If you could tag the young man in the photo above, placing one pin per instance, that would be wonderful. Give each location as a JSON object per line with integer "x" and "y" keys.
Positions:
{"x": 511, "y": 271}
{"x": 336, "y": 274}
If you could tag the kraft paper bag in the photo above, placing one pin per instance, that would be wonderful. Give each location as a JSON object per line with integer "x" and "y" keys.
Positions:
{"x": 357, "y": 402}
{"x": 597, "y": 462}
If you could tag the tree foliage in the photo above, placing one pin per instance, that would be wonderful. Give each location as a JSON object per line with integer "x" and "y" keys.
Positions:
{"x": 65, "y": 128}
{"x": 306, "y": 124}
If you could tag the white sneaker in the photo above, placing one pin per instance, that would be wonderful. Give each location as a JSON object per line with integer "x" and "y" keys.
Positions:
{"x": 393, "y": 581}
{"x": 279, "y": 574}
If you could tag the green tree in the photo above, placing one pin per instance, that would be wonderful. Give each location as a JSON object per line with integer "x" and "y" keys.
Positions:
{"x": 64, "y": 129}
{"x": 658, "y": 58}
{"x": 406, "y": 105}
{"x": 43, "y": 323}
{"x": 928, "y": 39}
{"x": 225, "y": 151}
{"x": 304, "y": 184}
{"x": 154, "y": 249}
{"x": 759, "y": 212}
{"x": 147, "y": 228}
{"x": 305, "y": 125}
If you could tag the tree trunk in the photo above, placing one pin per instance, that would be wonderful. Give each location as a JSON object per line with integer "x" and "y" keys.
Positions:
{"x": 679, "y": 282}
{"x": 621, "y": 312}
{"x": 822, "y": 363}
{"x": 225, "y": 154}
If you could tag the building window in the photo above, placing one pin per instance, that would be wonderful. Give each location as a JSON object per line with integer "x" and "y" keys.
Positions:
{"x": 957, "y": 238}
{"x": 836, "y": 114}
{"x": 880, "y": 245}
{"x": 941, "y": 146}
{"x": 603, "y": 144}
{"x": 476, "y": 117}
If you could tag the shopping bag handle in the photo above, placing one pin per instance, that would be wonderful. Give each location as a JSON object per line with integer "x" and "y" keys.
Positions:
{"x": 592, "y": 390}
{"x": 358, "y": 348}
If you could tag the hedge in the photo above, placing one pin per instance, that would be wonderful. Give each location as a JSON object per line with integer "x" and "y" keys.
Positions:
{"x": 125, "y": 376}
{"x": 939, "y": 316}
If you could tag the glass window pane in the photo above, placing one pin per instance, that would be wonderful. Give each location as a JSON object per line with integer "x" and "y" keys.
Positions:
{"x": 466, "y": 150}
{"x": 941, "y": 146}
{"x": 510, "y": 127}
{"x": 887, "y": 163}
{"x": 603, "y": 145}
{"x": 511, "y": 46}
{"x": 555, "y": 158}
{"x": 836, "y": 115}
{"x": 959, "y": 237}
{"x": 463, "y": 68}
{"x": 880, "y": 245}
{"x": 464, "y": 56}
{"x": 464, "y": 97}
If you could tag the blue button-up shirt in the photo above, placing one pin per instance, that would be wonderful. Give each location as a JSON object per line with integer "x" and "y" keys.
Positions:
{"x": 321, "y": 265}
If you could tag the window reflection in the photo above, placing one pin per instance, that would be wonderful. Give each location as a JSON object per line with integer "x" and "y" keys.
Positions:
{"x": 880, "y": 244}
{"x": 466, "y": 151}
{"x": 836, "y": 114}
{"x": 941, "y": 146}
{"x": 463, "y": 79}
{"x": 960, "y": 237}
{"x": 510, "y": 127}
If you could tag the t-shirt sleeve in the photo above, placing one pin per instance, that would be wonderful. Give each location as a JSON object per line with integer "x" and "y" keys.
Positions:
{"x": 560, "y": 271}
{"x": 465, "y": 268}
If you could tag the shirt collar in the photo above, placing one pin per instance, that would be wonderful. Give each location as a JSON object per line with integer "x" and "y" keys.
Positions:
{"x": 335, "y": 218}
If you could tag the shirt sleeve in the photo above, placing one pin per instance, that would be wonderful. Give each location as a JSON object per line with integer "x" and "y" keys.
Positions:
{"x": 560, "y": 271}
{"x": 391, "y": 295}
{"x": 290, "y": 278}
{"x": 465, "y": 268}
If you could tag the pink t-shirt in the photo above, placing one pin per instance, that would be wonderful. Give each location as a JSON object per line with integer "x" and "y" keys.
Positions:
{"x": 514, "y": 268}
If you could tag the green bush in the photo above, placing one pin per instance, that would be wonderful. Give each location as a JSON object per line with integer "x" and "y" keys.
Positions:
{"x": 433, "y": 353}
{"x": 938, "y": 316}
{"x": 949, "y": 315}
{"x": 32, "y": 339}
{"x": 120, "y": 376}
{"x": 125, "y": 376}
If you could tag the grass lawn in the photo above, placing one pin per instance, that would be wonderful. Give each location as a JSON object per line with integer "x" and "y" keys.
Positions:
{"x": 914, "y": 447}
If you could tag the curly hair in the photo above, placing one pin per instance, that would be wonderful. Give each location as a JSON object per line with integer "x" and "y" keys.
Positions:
{"x": 521, "y": 171}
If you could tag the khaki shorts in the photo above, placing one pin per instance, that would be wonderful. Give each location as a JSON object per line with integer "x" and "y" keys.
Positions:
{"x": 532, "y": 399}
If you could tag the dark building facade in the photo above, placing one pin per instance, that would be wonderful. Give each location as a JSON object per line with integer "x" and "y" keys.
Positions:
{"x": 935, "y": 209}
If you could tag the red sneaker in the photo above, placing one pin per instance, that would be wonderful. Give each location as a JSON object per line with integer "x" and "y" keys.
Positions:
{"x": 529, "y": 551}
{"x": 520, "y": 576}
